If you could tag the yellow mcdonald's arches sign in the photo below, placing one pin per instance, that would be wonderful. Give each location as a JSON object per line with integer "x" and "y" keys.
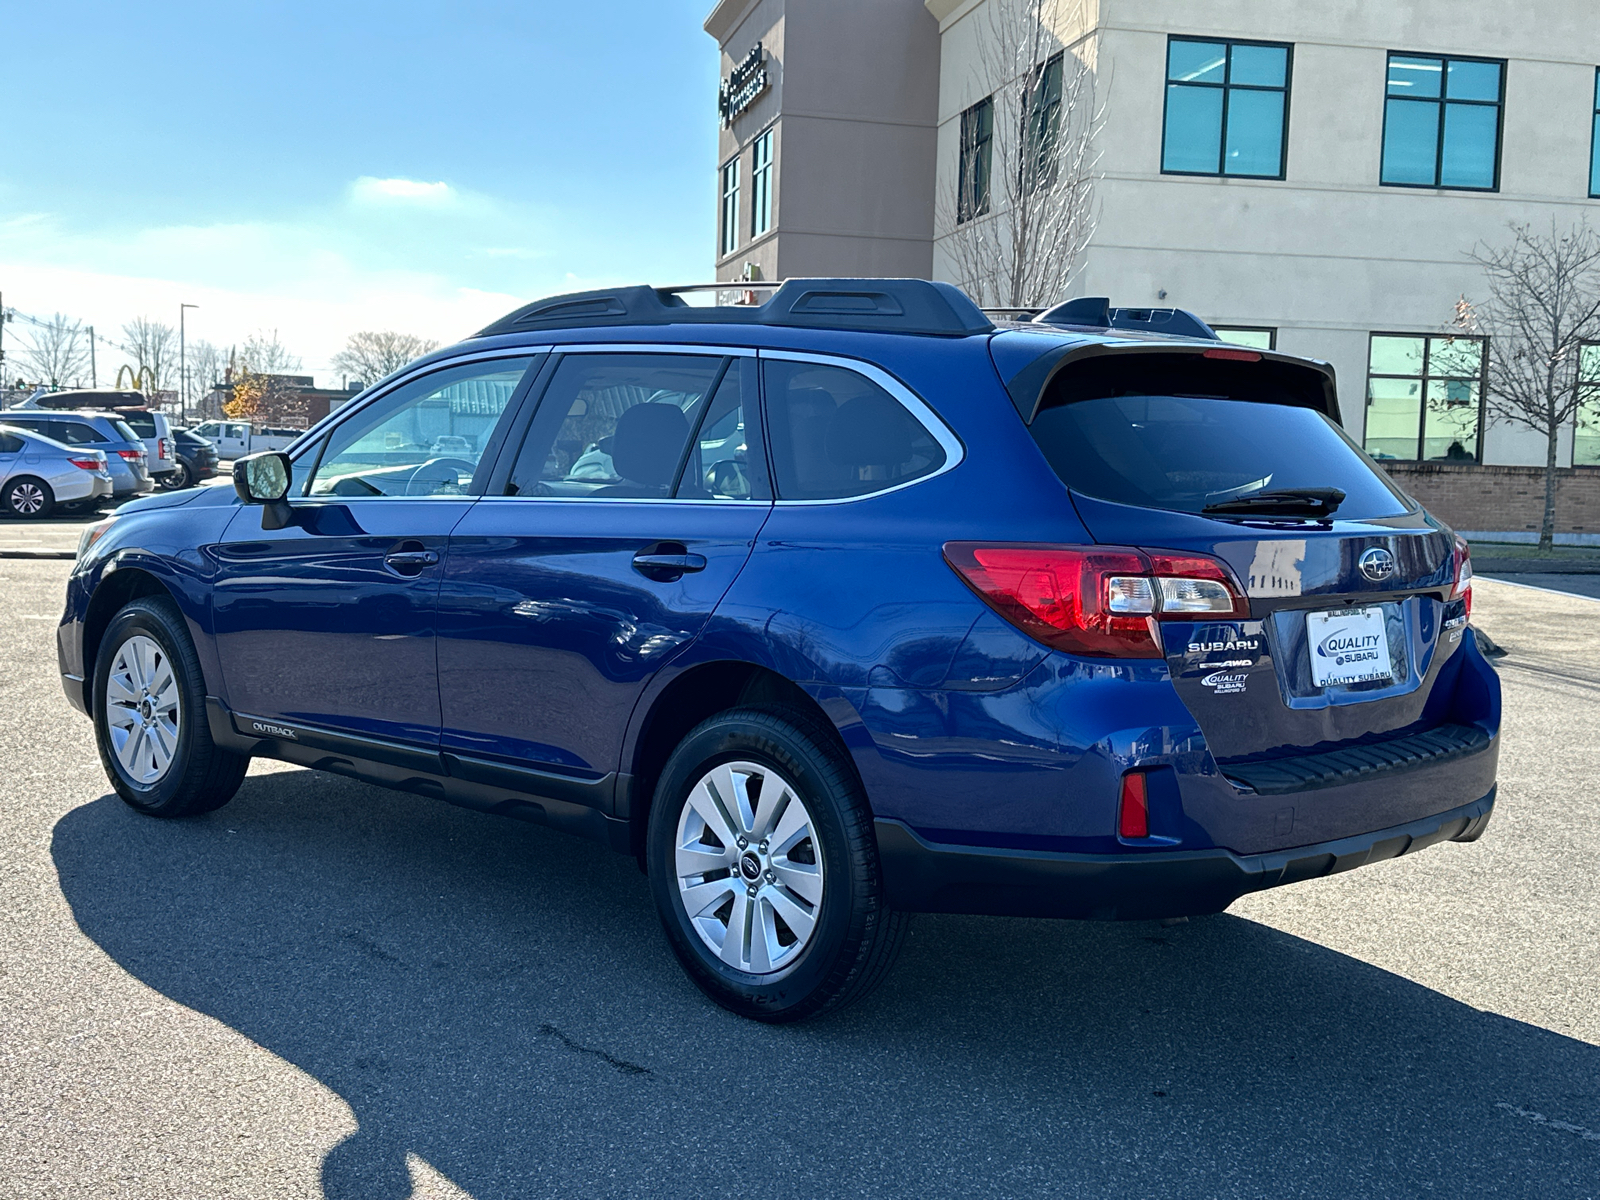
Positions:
{"x": 140, "y": 380}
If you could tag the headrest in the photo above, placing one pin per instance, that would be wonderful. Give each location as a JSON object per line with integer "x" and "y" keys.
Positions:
{"x": 869, "y": 431}
{"x": 648, "y": 442}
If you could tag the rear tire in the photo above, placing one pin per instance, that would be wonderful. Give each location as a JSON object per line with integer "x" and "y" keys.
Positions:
{"x": 150, "y": 716}
{"x": 177, "y": 479}
{"x": 29, "y": 498}
{"x": 765, "y": 869}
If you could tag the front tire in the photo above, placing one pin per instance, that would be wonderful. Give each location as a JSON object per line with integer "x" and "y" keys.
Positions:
{"x": 765, "y": 870}
{"x": 150, "y": 716}
{"x": 29, "y": 498}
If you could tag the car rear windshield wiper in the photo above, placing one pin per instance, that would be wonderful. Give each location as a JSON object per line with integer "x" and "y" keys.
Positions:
{"x": 1311, "y": 501}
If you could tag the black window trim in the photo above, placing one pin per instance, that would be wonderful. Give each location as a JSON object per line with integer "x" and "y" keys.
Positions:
{"x": 954, "y": 449}
{"x": 1424, "y": 379}
{"x": 1226, "y": 86}
{"x": 1499, "y": 105}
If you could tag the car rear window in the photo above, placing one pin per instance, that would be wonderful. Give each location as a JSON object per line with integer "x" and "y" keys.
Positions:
{"x": 143, "y": 423}
{"x": 1183, "y": 453}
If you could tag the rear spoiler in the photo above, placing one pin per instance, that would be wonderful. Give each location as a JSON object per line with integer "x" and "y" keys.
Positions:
{"x": 1310, "y": 380}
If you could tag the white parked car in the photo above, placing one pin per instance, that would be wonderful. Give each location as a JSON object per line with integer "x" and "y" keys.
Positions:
{"x": 37, "y": 473}
{"x": 235, "y": 439}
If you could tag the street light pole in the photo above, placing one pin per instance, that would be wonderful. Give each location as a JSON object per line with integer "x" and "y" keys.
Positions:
{"x": 183, "y": 364}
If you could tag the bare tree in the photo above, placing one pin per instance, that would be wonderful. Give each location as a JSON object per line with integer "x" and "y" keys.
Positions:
{"x": 1543, "y": 306}
{"x": 1019, "y": 212}
{"x": 206, "y": 365}
{"x": 55, "y": 352}
{"x": 154, "y": 348}
{"x": 263, "y": 353}
{"x": 372, "y": 354}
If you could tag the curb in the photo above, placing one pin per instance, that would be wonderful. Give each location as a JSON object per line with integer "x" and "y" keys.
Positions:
{"x": 44, "y": 554}
{"x": 1524, "y": 566}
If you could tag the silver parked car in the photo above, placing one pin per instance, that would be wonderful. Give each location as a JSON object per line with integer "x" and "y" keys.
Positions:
{"x": 124, "y": 449}
{"x": 37, "y": 473}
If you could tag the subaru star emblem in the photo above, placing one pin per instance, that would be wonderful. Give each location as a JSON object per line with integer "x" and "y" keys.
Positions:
{"x": 1377, "y": 564}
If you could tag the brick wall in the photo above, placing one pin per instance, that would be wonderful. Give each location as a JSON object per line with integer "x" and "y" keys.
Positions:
{"x": 1502, "y": 499}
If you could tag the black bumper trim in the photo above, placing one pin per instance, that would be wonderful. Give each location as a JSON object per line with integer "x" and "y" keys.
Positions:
{"x": 1334, "y": 768}
{"x": 924, "y": 876}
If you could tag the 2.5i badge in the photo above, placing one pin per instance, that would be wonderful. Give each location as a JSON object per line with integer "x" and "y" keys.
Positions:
{"x": 1349, "y": 645}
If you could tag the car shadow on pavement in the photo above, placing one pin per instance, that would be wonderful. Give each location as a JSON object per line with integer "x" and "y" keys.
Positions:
{"x": 498, "y": 999}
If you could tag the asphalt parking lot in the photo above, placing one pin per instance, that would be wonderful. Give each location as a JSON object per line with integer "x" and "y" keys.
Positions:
{"x": 327, "y": 989}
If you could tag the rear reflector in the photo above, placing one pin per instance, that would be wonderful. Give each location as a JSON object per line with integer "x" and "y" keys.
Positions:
{"x": 1100, "y": 601}
{"x": 1133, "y": 813}
{"x": 1236, "y": 355}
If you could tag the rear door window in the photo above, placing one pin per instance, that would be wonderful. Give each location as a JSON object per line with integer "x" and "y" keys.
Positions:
{"x": 1185, "y": 453}
{"x": 836, "y": 434}
{"x": 639, "y": 427}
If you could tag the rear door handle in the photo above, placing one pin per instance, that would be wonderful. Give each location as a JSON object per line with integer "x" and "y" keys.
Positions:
{"x": 667, "y": 561}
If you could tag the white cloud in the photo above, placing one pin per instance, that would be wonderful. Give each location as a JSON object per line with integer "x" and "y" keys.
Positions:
{"x": 370, "y": 190}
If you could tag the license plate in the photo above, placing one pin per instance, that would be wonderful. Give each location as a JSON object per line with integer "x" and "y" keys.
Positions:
{"x": 1349, "y": 645}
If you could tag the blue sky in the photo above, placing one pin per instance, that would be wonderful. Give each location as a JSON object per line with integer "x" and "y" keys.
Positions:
{"x": 321, "y": 168}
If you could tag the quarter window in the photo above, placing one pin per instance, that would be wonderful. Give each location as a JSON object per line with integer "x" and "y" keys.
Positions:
{"x": 977, "y": 150}
{"x": 1425, "y": 397}
{"x": 1441, "y": 122}
{"x": 637, "y": 427}
{"x": 761, "y": 185}
{"x": 730, "y": 206}
{"x": 836, "y": 434}
{"x": 423, "y": 439}
{"x": 1226, "y": 108}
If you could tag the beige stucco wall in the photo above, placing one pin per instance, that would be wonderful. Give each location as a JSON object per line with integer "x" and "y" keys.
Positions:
{"x": 1325, "y": 255}
{"x": 853, "y": 101}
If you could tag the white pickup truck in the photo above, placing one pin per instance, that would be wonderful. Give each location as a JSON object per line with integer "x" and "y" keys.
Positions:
{"x": 235, "y": 439}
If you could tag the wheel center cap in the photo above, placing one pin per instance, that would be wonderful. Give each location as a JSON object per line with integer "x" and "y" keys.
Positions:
{"x": 146, "y": 709}
{"x": 750, "y": 867}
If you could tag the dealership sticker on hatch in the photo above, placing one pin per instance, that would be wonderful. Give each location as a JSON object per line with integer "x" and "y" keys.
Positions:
{"x": 1348, "y": 646}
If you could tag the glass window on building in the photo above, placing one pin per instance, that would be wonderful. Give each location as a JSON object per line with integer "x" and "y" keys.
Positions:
{"x": 730, "y": 206}
{"x": 1041, "y": 159}
{"x": 1227, "y": 108}
{"x": 1262, "y": 337}
{"x": 761, "y": 185}
{"x": 1441, "y": 122}
{"x": 1594, "y": 141}
{"x": 977, "y": 150}
{"x": 1425, "y": 397}
{"x": 1586, "y": 433}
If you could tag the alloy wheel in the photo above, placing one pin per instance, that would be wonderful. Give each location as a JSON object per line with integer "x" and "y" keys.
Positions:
{"x": 748, "y": 868}
{"x": 27, "y": 499}
{"x": 143, "y": 709}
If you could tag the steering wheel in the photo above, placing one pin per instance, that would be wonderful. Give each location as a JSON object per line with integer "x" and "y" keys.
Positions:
{"x": 437, "y": 473}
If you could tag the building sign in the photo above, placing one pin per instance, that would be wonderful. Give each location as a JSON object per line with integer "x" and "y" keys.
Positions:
{"x": 744, "y": 83}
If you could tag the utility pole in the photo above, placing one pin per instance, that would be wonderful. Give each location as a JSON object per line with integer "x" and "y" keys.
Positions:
{"x": 183, "y": 364}
{"x": 2, "y": 340}
{"x": 94, "y": 379}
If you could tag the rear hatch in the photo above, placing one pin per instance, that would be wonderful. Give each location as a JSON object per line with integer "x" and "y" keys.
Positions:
{"x": 1355, "y": 595}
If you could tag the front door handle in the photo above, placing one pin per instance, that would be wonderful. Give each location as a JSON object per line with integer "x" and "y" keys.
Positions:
{"x": 667, "y": 562}
{"x": 410, "y": 562}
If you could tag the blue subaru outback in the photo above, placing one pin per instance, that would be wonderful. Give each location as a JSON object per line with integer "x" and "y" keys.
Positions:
{"x": 841, "y": 606}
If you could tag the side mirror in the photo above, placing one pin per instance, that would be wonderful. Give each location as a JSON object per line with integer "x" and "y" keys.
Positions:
{"x": 264, "y": 479}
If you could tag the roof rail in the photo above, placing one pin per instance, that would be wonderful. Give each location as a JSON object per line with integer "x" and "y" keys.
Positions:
{"x": 1096, "y": 312}
{"x": 879, "y": 305}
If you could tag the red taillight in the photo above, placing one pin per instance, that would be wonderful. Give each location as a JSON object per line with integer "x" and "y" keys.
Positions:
{"x": 1102, "y": 601}
{"x": 163, "y": 448}
{"x": 1133, "y": 812}
{"x": 131, "y": 455}
{"x": 1235, "y": 355}
{"x": 1461, "y": 589}
{"x": 86, "y": 464}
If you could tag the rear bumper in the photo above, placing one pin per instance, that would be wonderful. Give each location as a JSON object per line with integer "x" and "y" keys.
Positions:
{"x": 923, "y": 876}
